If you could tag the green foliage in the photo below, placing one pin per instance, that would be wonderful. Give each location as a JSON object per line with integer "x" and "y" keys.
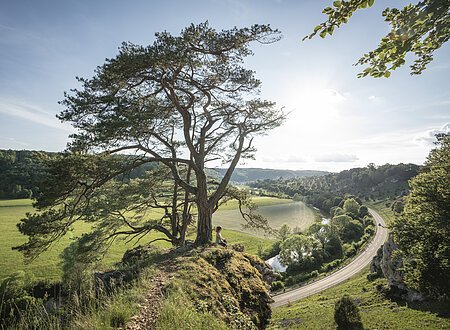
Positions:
{"x": 271, "y": 251}
{"x": 363, "y": 211}
{"x": 21, "y": 171}
{"x": 336, "y": 211}
{"x": 419, "y": 28}
{"x": 186, "y": 318}
{"x": 276, "y": 286}
{"x": 14, "y": 298}
{"x": 371, "y": 182}
{"x": 347, "y": 228}
{"x": 423, "y": 229}
{"x": 346, "y": 314}
{"x": 283, "y": 232}
{"x": 398, "y": 206}
{"x": 351, "y": 206}
{"x": 300, "y": 251}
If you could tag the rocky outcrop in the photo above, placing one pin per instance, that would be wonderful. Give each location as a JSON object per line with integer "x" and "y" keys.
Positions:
{"x": 389, "y": 264}
{"x": 229, "y": 284}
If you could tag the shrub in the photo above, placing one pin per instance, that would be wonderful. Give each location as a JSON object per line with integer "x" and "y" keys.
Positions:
{"x": 346, "y": 314}
{"x": 238, "y": 247}
{"x": 349, "y": 250}
{"x": 314, "y": 273}
{"x": 277, "y": 285}
{"x": 272, "y": 251}
{"x": 14, "y": 299}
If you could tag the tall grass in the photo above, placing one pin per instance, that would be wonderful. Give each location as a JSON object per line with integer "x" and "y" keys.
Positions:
{"x": 86, "y": 307}
{"x": 186, "y": 317}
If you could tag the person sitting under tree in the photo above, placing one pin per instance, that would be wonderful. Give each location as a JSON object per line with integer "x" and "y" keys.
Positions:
{"x": 219, "y": 239}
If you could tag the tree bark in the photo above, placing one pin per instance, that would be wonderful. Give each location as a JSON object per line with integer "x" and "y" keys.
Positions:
{"x": 204, "y": 224}
{"x": 204, "y": 212}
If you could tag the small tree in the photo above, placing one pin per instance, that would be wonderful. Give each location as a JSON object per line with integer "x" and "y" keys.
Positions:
{"x": 347, "y": 228}
{"x": 346, "y": 314}
{"x": 351, "y": 206}
{"x": 301, "y": 251}
{"x": 283, "y": 232}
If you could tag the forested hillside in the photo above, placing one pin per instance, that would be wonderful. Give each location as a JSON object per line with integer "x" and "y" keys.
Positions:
{"x": 243, "y": 175}
{"x": 371, "y": 182}
{"x": 21, "y": 170}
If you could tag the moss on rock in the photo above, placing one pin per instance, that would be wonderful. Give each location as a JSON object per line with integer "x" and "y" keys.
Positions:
{"x": 226, "y": 283}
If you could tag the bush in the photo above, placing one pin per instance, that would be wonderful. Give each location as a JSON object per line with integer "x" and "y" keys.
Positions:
{"x": 331, "y": 265}
{"x": 369, "y": 230}
{"x": 346, "y": 314}
{"x": 14, "y": 299}
{"x": 270, "y": 252}
{"x": 277, "y": 285}
{"x": 349, "y": 250}
{"x": 238, "y": 247}
{"x": 314, "y": 273}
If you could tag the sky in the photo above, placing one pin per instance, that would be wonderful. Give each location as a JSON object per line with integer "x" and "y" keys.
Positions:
{"x": 336, "y": 121}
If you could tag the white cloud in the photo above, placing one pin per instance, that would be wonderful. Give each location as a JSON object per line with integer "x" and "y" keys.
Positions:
{"x": 289, "y": 159}
{"x": 336, "y": 158}
{"x": 20, "y": 143}
{"x": 428, "y": 137}
{"x": 296, "y": 159}
{"x": 333, "y": 96}
{"x": 32, "y": 113}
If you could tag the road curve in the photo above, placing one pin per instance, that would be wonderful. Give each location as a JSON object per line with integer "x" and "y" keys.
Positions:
{"x": 361, "y": 261}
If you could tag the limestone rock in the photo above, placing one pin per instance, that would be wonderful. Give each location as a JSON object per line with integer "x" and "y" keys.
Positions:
{"x": 389, "y": 264}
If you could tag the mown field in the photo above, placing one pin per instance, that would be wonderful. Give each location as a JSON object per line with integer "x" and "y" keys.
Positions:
{"x": 277, "y": 211}
{"x": 377, "y": 312}
{"x": 48, "y": 265}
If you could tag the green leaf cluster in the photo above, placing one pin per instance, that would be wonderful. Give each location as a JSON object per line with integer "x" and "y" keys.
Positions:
{"x": 419, "y": 28}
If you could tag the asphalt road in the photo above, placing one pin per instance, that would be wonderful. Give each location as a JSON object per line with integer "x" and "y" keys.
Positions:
{"x": 343, "y": 274}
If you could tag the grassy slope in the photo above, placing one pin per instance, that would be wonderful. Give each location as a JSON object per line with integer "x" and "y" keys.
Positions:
{"x": 377, "y": 312}
{"x": 385, "y": 211}
{"x": 48, "y": 264}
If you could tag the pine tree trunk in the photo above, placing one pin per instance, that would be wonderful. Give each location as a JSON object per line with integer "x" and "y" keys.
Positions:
{"x": 204, "y": 211}
{"x": 204, "y": 224}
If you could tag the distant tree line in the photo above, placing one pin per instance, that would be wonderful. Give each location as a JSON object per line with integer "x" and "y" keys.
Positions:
{"x": 20, "y": 172}
{"x": 23, "y": 171}
{"x": 371, "y": 182}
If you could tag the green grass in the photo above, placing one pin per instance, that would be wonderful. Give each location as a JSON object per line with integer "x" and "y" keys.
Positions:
{"x": 277, "y": 211}
{"x": 252, "y": 243}
{"x": 385, "y": 211}
{"x": 377, "y": 312}
{"x": 48, "y": 265}
{"x": 186, "y": 318}
{"x": 260, "y": 201}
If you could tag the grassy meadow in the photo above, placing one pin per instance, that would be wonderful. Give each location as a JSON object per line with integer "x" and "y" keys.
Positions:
{"x": 377, "y": 312}
{"x": 277, "y": 211}
{"x": 48, "y": 265}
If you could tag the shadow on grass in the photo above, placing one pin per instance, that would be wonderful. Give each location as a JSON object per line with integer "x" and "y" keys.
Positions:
{"x": 439, "y": 308}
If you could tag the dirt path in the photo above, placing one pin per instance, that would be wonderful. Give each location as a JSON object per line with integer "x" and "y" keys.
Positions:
{"x": 150, "y": 308}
